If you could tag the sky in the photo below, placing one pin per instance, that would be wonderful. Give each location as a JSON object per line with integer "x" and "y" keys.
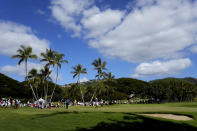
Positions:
{"x": 142, "y": 39}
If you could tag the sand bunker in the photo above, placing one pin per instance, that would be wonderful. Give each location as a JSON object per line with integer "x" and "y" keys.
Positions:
{"x": 170, "y": 116}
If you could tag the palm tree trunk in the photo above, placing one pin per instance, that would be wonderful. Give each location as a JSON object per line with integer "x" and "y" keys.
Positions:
{"x": 27, "y": 80}
{"x": 55, "y": 85}
{"x": 33, "y": 92}
{"x": 37, "y": 91}
{"x": 26, "y": 69}
{"x": 47, "y": 83}
{"x": 44, "y": 90}
{"x": 46, "y": 95}
{"x": 92, "y": 98}
{"x": 78, "y": 83}
{"x": 95, "y": 90}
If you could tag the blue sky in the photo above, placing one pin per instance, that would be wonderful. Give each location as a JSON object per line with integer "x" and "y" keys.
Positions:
{"x": 144, "y": 39}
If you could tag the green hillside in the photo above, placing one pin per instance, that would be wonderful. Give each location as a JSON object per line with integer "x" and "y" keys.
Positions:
{"x": 168, "y": 89}
{"x": 15, "y": 89}
{"x": 190, "y": 79}
{"x": 12, "y": 88}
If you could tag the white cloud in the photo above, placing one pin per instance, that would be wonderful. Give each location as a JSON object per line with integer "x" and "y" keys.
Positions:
{"x": 152, "y": 30}
{"x": 81, "y": 17}
{"x": 66, "y": 11}
{"x": 20, "y": 70}
{"x": 12, "y": 35}
{"x": 162, "y": 30}
{"x": 158, "y": 29}
{"x": 98, "y": 23}
{"x": 90, "y": 12}
{"x": 158, "y": 68}
{"x": 84, "y": 79}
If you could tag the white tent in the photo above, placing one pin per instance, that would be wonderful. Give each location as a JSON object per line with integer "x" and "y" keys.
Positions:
{"x": 41, "y": 103}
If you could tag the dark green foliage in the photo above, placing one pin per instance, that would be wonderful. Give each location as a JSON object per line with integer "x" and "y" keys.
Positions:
{"x": 73, "y": 93}
{"x": 190, "y": 79}
{"x": 169, "y": 89}
{"x": 12, "y": 88}
{"x": 130, "y": 86}
{"x": 174, "y": 89}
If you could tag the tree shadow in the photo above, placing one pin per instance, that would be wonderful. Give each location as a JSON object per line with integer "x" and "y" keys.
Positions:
{"x": 135, "y": 122}
{"x": 53, "y": 114}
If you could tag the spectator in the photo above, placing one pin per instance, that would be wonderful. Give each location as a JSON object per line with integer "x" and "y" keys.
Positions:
{"x": 67, "y": 103}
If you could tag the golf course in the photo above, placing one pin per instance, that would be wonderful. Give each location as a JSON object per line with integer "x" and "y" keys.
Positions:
{"x": 98, "y": 65}
{"x": 113, "y": 117}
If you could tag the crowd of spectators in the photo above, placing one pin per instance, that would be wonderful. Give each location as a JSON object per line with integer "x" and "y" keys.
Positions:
{"x": 16, "y": 103}
{"x": 40, "y": 104}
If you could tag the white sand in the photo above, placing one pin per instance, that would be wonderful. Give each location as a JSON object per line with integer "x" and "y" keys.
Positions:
{"x": 170, "y": 116}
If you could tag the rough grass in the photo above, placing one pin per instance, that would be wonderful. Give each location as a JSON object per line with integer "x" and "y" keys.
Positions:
{"x": 115, "y": 117}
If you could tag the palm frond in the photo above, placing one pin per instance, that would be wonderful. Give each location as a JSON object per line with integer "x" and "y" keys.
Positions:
{"x": 28, "y": 49}
{"x": 64, "y": 61}
{"x": 23, "y": 47}
{"x": 33, "y": 56}
{"x": 16, "y": 56}
{"x": 20, "y": 61}
{"x": 75, "y": 75}
{"x": 20, "y": 51}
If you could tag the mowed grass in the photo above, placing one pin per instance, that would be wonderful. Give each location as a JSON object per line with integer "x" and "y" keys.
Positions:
{"x": 115, "y": 117}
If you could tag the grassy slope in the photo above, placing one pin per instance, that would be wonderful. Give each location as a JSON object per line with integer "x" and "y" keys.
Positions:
{"x": 116, "y": 117}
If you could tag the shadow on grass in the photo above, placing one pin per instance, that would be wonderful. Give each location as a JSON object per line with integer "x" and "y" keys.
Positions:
{"x": 53, "y": 114}
{"x": 135, "y": 122}
{"x": 131, "y": 121}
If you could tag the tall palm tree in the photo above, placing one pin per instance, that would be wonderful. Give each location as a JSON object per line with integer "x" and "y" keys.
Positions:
{"x": 58, "y": 61}
{"x": 48, "y": 57}
{"x": 25, "y": 53}
{"x": 99, "y": 66}
{"x": 108, "y": 88}
{"x": 34, "y": 80}
{"x": 77, "y": 71}
{"x": 45, "y": 76}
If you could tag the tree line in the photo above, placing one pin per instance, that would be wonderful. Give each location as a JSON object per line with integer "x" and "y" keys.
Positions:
{"x": 165, "y": 90}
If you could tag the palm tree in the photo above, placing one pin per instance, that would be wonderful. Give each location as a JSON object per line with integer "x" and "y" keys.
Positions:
{"x": 34, "y": 80}
{"x": 58, "y": 60}
{"x": 48, "y": 57}
{"x": 108, "y": 89}
{"x": 78, "y": 70}
{"x": 99, "y": 66}
{"x": 25, "y": 53}
{"x": 45, "y": 76}
{"x": 109, "y": 76}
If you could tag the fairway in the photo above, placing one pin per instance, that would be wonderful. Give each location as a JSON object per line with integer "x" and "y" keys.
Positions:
{"x": 115, "y": 117}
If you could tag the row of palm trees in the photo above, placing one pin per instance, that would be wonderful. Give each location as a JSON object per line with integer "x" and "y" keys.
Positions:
{"x": 54, "y": 59}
